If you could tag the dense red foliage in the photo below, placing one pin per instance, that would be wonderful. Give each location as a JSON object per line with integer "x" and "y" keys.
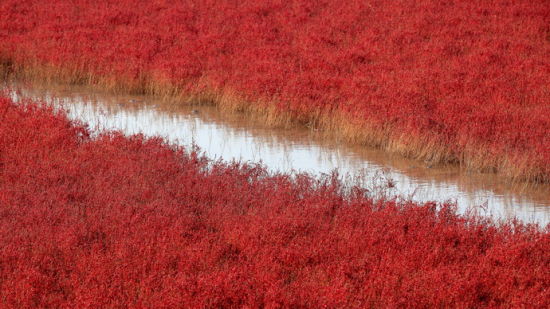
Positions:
{"x": 128, "y": 221}
{"x": 469, "y": 75}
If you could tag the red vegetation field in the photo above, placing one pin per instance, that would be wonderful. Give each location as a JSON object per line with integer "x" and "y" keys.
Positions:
{"x": 127, "y": 221}
{"x": 446, "y": 81}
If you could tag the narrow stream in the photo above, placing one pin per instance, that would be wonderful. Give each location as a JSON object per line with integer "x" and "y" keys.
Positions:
{"x": 235, "y": 137}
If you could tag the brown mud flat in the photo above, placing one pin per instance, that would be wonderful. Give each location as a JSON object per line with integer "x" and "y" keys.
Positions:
{"x": 515, "y": 167}
{"x": 291, "y": 147}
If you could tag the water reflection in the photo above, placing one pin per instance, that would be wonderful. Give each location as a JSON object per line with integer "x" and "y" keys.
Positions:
{"x": 234, "y": 137}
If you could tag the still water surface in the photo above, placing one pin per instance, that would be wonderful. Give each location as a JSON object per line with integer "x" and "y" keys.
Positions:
{"x": 297, "y": 149}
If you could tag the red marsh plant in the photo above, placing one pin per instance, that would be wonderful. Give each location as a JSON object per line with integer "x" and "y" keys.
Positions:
{"x": 117, "y": 221}
{"x": 460, "y": 82}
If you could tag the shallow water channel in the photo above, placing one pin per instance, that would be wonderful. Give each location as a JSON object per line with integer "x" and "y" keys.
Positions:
{"x": 296, "y": 149}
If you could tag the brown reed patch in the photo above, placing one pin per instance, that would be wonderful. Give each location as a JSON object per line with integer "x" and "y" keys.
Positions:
{"x": 517, "y": 167}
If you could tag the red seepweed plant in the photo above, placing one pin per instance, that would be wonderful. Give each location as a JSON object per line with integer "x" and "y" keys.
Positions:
{"x": 116, "y": 221}
{"x": 462, "y": 82}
